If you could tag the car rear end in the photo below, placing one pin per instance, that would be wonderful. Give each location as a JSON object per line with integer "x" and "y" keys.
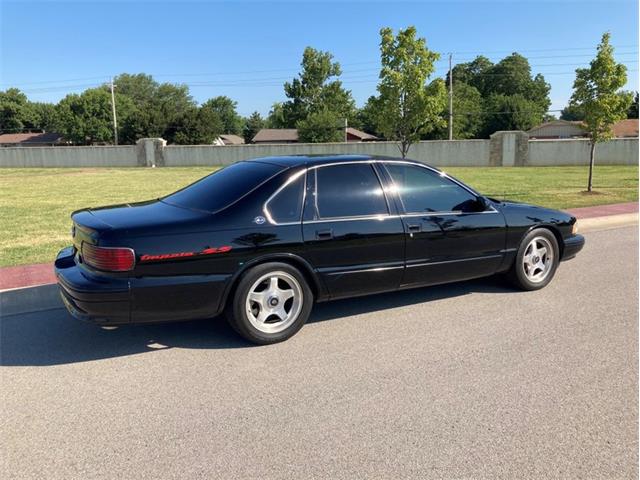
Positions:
{"x": 94, "y": 280}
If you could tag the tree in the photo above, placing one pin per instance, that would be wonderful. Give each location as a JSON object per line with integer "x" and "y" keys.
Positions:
{"x": 16, "y": 112}
{"x": 596, "y": 90}
{"x": 510, "y": 112}
{"x": 225, "y": 108}
{"x": 572, "y": 113}
{"x": 198, "y": 126}
{"x": 252, "y": 125}
{"x": 315, "y": 91}
{"x": 87, "y": 118}
{"x": 45, "y": 115}
{"x": 632, "y": 111}
{"x": 321, "y": 127}
{"x": 467, "y": 109}
{"x": 367, "y": 116}
{"x": 276, "y": 119}
{"x": 408, "y": 108}
{"x": 161, "y": 109}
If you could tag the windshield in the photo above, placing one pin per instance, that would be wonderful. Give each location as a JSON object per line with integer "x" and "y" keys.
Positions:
{"x": 223, "y": 187}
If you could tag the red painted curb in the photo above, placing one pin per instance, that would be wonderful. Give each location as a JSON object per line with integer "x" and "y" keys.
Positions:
{"x": 604, "y": 210}
{"x": 42, "y": 273}
{"x": 26, "y": 276}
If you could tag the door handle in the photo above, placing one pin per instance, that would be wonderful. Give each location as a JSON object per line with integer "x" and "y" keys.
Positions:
{"x": 414, "y": 227}
{"x": 324, "y": 234}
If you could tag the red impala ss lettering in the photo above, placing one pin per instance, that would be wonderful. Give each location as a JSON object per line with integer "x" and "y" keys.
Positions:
{"x": 167, "y": 256}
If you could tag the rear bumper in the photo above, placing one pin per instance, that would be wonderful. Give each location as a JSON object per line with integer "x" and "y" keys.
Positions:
{"x": 572, "y": 246}
{"x": 112, "y": 300}
{"x": 101, "y": 300}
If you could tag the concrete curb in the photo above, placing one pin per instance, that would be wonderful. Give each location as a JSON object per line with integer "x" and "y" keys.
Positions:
{"x": 595, "y": 224}
{"x": 30, "y": 299}
{"x": 47, "y": 297}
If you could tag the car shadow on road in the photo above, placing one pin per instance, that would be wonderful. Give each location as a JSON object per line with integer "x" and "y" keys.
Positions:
{"x": 52, "y": 337}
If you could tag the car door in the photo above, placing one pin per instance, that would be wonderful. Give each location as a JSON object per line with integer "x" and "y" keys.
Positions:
{"x": 353, "y": 236}
{"x": 451, "y": 233}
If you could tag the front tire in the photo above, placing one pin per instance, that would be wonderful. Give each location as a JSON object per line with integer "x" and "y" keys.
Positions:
{"x": 536, "y": 261}
{"x": 271, "y": 303}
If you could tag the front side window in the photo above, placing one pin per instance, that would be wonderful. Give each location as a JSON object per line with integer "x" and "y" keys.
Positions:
{"x": 286, "y": 205}
{"x": 422, "y": 190}
{"x": 349, "y": 190}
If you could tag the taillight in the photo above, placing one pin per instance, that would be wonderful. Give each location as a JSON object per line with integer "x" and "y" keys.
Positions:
{"x": 108, "y": 258}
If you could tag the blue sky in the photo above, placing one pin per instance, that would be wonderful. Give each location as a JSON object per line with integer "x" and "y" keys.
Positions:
{"x": 246, "y": 50}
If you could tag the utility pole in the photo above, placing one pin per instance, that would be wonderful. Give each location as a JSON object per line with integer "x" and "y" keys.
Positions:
{"x": 345, "y": 130}
{"x": 113, "y": 110}
{"x": 450, "y": 100}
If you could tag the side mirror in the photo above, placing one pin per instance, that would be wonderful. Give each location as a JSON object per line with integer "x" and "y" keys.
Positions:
{"x": 483, "y": 203}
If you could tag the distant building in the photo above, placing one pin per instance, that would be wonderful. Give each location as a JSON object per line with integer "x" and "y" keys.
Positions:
{"x": 558, "y": 129}
{"x": 627, "y": 128}
{"x": 229, "y": 139}
{"x": 276, "y": 135}
{"x": 290, "y": 135}
{"x": 41, "y": 139}
{"x": 355, "y": 135}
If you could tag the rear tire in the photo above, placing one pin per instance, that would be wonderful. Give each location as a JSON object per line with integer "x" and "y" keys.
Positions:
{"x": 270, "y": 304}
{"x": 536, "y": 261}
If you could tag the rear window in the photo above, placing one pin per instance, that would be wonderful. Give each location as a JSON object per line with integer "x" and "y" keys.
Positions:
{"x": 223, "y": 187}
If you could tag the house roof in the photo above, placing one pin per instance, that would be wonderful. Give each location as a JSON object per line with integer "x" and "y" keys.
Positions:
{"x": 626, "y": 128}
{"x": 231, "y": 139}
{"x": 276, "y": 135}
{"x": 30, "y": 138}
{"x": 557, "y": 123}
{"x": 360, "y": 134}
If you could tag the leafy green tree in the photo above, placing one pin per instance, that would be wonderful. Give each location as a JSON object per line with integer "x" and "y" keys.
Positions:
{"x": 468, "y": 117}
{"x": 87, "y": 118}
{"x": 408, "y": 107}
{"x": 632, "y": 111}
{"x": 367, "y": 116}
{"x": 572, "y": 113}
{"x": 510, "y": 112}
{"x": 276, "y": 118}
{"x": 472, "y": 73}
{"x": 160, "y": 108}
{"x": 197, "y": 126}
{"x": 315, "y": 90}
{"x": 45, "y": 115}
{"x": 596, "y": 90}
{"x": 252, "y": 125}
{"x": 321, "y": 127}
{"x": 16, "y": 112}
{"x": 225, "y": 108}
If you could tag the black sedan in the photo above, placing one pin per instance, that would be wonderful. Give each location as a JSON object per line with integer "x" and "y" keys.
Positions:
{"x": 264, "y": 239}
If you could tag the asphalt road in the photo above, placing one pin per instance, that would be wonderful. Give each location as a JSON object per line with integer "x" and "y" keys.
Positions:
{"x": 471, "y": 380}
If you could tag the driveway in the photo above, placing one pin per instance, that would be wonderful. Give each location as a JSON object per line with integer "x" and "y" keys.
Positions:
{"x": 471, "y": 380}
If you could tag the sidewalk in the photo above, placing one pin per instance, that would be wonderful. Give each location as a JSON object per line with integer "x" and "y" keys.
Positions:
{"x": 42, "y": 274}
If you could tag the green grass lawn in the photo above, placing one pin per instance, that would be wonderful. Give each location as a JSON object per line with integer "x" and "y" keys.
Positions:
{"x": 35, "y": 203}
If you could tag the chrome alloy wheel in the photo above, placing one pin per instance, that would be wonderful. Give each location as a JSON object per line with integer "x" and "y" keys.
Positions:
{"x": 274, "y": 302}
{"x": 538, "y": 259}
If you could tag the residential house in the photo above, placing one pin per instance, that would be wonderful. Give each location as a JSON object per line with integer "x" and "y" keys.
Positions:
{"x": 229, "y": 139}
{"x": 290, "y": 135}
{"x": 627, "y": 128}
{"x": 38, "y": 139}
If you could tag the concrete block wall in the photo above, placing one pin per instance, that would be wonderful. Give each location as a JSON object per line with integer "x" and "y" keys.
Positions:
{"x": 509, "y": 148}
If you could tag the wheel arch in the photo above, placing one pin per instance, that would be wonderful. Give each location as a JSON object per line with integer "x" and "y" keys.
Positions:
{"x": 296, "y": 261}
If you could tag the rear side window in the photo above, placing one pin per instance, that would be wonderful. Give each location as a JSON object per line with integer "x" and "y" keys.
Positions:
{"x": 349, "y": 190}
{"x": 422, "y": 190}
{"x": 286, "y": 205}
{"x": 222, "y": 188}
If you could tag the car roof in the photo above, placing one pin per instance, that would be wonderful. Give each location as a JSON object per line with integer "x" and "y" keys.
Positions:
{"x": 309, "y": 160}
